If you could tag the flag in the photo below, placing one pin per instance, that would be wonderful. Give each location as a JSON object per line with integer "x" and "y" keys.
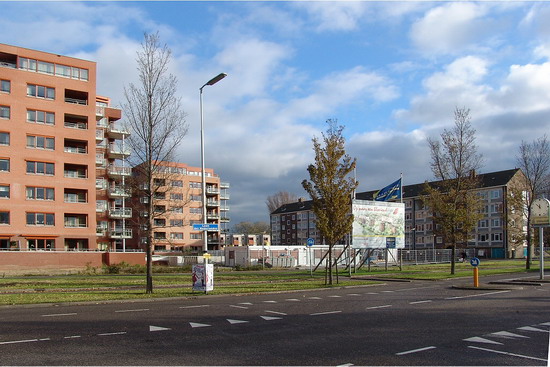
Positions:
{"x": 390, "y": 192}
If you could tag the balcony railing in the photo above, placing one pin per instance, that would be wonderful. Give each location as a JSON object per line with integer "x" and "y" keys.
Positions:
{"x": 212, "y": 203}
{"x": 116, "y": 132}
{"x": 100, "y": 183}
{"x": 76, "y": 101}
{"x": 224, "y": 196}
{"x": 224, "y": 185}
{"x": 72, "y": 224}
{"x": 212, "y": 190}
{"x": 76, "y": 125}
{"x": 118, "y": 192}
{"x": 100, "y": 206}
{"x": 101, "y": 231}
{"x": 120, "y": 213}
{"x": 75, "y": 199}
{"x": 75, "y": 174}
{"x": 117, "y": 152}
{"x": 76, "y": 150}
{"x": 116, "y": 171}
{"x": 99, "y": 111}
{"x": 99, "y": 135}
{"x": 118, "y": 233}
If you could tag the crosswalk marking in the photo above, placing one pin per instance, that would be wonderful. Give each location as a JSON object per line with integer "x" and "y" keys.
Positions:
{"x": 477, "y": 339}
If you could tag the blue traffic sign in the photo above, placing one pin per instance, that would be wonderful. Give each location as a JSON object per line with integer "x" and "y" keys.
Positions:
{"x": 205, "y": 227}
{"x": 474, "y": 261}
{"x": 310, "y": 242}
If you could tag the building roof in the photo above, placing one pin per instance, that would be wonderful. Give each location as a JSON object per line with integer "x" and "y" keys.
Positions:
{"x": 491, "y": 179}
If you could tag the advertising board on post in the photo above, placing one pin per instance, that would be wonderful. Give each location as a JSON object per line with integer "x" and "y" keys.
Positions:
{"x": 203, "y": 277}
{"x": 378, "y": 225}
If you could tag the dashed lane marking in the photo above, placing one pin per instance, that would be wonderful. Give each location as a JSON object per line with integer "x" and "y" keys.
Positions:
{"x": 233, "y": 322}
{"x": 314, "y": 298}
{"x": 198, "y": 306}
{"x": 376, "y": 307}
{"x": 158, "y": 328}
{"x": 236, "y": 306}
{"x": 324, "y": 313}
{"x": 115, "y": 333}
{"x": 72, "y": 337}
{"x": 197, "y": 325}
{"x": 246, "y": 303}
{"x": 478, "y": 295}
{"x": 477, "y": 339}
{"x": 354, "y": 294}
{"x": 136, "y": 310}
{"x": 19, "y": 341}
{"x": 414, "y": 351}
{"x": 506, "y": 353}
{"x": 530, "y": 328}
{"x": 276, "y": 313}
{"x": 60, "y": 314}
{"x": 292, "y": 300}
{"x": 269, "y": 301}
{"x": 419, "y": 302}
{"x": 335, "y": 296}
{"x": 270, "y": 318}
{"x": 507, "y": 334}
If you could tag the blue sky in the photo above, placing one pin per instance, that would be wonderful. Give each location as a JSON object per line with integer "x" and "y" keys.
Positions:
{"x": 391, "y": 72}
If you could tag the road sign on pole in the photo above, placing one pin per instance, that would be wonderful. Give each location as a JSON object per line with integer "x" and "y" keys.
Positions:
{"x": 205, "y": 227}
{"x": 310, "y": 242}
{"x": 474, "y": 261}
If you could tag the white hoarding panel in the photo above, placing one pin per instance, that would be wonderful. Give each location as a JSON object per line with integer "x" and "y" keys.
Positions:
{"x": 203, "y": 277}
{"x": 377, "y": 224}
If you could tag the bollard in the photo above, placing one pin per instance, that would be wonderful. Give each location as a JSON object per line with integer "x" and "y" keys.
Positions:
{"x": 476, "y": 277}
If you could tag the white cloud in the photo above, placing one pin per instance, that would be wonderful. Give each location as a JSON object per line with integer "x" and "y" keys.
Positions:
{"x": 335, "y": 15}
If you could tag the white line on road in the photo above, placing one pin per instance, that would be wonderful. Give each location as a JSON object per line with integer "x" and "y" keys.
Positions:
{"x": 478, "y": 295}
{"x": 388, "y": 291}
{"x": 507, "y": 353}
{"x": 136, "y": 310}
{"x": 269, "y": 301}
{"x": 246, "y": 303}
{"x": 354, "y": 294}
{"x": 375, "y": 307}
{"x": 292, "y": 300}
{"x": 235, "y": 306}
{"x": 199, "y": 306}
{"x": 115, "y": 333}
{"x": 372, "y": 293}
{"x": 324, "y": 313}
{"x": 414, "y": 351}
{"x": 530, "y": 328}
{"x": 19, "y": 341}
{"x": 60, "y": 314}
{"x": 314, "y": 298}
{"x": 335, "y": 296}
{"x": 345, "y": 365}
{"x": 72, "y": 337}
{"x": 418, "y": 302}
{"x": 277, "y": 313}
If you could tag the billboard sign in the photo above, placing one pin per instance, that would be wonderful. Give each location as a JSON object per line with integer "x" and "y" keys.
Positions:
{"x": 378, "y": 224}
{"x": 203, "y": 277}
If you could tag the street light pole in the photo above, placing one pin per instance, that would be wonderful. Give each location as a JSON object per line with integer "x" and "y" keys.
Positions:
{"x": 212, "y": 81}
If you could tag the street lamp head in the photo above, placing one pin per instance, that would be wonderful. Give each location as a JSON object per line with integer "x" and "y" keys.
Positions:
{"x": 216, "y": 79}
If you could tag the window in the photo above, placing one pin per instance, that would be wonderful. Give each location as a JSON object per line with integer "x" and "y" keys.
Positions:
{"x": 177, "y": 183}
{"x": 4, "y": 164}
{"x": 159, "y": 182}
{"x": 495, "y": 194}
{"x": 76, "y": 220}
{"x": 41, "y": 243}
{"x": 176, "y": 196}
{"x": 4, "y": 191}
{"x": 4, "y": 138}
{"x": 176, "y": 222}
{"x": 159, "y": 235}
{"x": 4, "y": 217}
{"x": 62, "y": 70}
{"x": 176, "y": 236}
{"x": 160, "y": 195}
{"x": 40, "y": 168}
{"x": 40, "y": 193}
{"x": 195, "y": 210}
{"x": 196, "y": 236}
{"x": 5, "y": 86}
{"x": 5, "y": 112}
{"x": 177, "y": 209}
{"x": 159, "y": 222}
{"x": 40, "y": 219}
{"x": 484, "y": 223}
{"x": 41, "y": 117}
{"x": 495, "y": 223}
{"x": 195, "y": 185}
{"x": 40, "y": 142}
{"x": 496, "y": 208}
{"x": 144, "y": 199}
{"x": 482, "y": 237}
{"x": 40, "y": 91}
{"x": 496, "y": 237}
{"x": 45, "y": 67}
{"x": 195, "y": 197}
{"x": 159, "y": 208}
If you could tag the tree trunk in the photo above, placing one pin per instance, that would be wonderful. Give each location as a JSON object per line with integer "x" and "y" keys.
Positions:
{"x": 453, "y": 258}
{"x": 149, "y": 286}
{"x": 529, "y": 246}
{"x": 330, "y": 265}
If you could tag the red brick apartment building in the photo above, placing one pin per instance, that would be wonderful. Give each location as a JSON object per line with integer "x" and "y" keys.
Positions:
{"x": 61, "y": 156}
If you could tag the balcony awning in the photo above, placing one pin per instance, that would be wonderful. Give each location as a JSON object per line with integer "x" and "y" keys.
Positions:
{"x": 35, "y": 237}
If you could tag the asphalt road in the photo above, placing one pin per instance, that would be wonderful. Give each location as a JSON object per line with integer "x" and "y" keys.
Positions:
{"x": 396, "y": 323}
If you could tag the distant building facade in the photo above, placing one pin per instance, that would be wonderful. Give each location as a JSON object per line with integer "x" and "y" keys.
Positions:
{"x": 293, "y": 223}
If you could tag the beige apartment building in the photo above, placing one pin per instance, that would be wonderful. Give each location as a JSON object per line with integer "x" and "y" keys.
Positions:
{"x": 177, "y": 205}
{"x": 61, "y": 157}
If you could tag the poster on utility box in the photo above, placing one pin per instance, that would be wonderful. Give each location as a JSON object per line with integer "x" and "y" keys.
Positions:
{"x": 375, "y": 222}
{"x": 203, "y": 277}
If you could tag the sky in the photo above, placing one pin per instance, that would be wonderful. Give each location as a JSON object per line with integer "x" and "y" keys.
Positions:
{"x": 391, "y": 72}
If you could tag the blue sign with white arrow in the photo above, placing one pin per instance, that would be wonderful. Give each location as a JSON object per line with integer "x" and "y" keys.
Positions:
{"x": 474, "y": 261}
{"x": 310, "y": 242}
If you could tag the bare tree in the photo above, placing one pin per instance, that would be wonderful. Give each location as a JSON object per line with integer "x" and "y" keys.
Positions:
{"x": 252, "y": 228}
{"x": 157, "y": 125}
{"x": 534, "y": 161}
{"x": 275, "y": 201}
{"x": 330, "y": 188}
{"x": 452, "y": 200}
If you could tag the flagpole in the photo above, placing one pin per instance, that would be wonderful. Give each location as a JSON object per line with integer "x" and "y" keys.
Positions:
{"x": 401, "y": 188}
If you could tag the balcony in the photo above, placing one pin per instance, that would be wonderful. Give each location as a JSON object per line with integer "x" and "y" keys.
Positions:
{"x": 100, "y": 206}
{"x": 76, "y": 125}
{"x": 212, "y": 203}
{"x": 76, "y": 221}
{"x": 75, "y": 174}
{"x": 118, "y": 192}
{"x": 75, "y": 196}
{"x": 224, "y": 208}
{"x": 101, "y": 231}
{"x": 99, "y": 135}
{"x": 213, "y": 216}
{"x": 75, "y": 150}
{"x": 115, "y": 132}
{"x": 100, "y": 183}
{"x": 117, "y": 152}
{"x": 212, "y": 190}
{"x": 76, "y": 97}
{"x": 100, "y": 161}
{"x": 224, "y": 219}
{"x": 224, "y": 196}
{"x": 116, "y": 172}
{"x": 120, "y": 213}
{"x": 224, "y": 185}
{"x": 119, "y": 233}
{"x": 99, "y": 111}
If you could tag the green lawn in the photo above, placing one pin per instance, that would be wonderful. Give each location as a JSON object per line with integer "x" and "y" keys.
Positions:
{"x": 102, "y": 287}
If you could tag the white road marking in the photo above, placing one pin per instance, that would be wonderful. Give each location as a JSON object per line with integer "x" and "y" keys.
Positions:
{"x": 477, "y": 339}
{"x": 235, "y": 306}
{"x": 246, "y": 303}
{"x": 545, "y": 324}
{"x": 269, "y": 318}
{"x": 372, "y": 293}
{"x": 195, "y": 325}
{"x": 335, "y": 296}
{"x": 324, "y": 313}
{"x": 354, "y": 294}
{"x": 507, "y": 353}
{"x": 158, "y": 328}
{"x": 478, "y": 295}
{"x": 72, "y": 337}
{"x": 292, "y": 300}
{"x": 59, "y": 314}
{"x": 116, "y": 333}
{"x": 136, "y": 310}
{"x": 388, "y": 291}
{"x": 375, "y": 307}
{"x": 200, "y": 306}
{"x": 269, "y": 301}
{"x": 345, "y": 365}
{"x": 44, "y": 339}
{"x": 507, "y": 334}
{"x": 418, "y": 302}
{"x": 277, "y": 313}
{"x": 530, "y": 328}
{"x": 414, "y": 351}
{"x": 314, "y": 298}
{"x": 232, "y": 322}
{"x": 19, "y": 341}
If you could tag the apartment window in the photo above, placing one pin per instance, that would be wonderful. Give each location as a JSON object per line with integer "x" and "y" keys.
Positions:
{"x": 4, "y": 164}
{"x": 5, "y": 191}
{"x": 159, "y": 235}
{"x": 4, "y": 138}
{"x": 496, "y": 237}
{"x": 195, "y": 197}
{"x": 176, "y": 196}
{"x": 45, "y": 67}
{"x": 495, "y": 223}
{"x": 40, "y": 193}
{"x": 496, "y": 208}
{"x": 40, "y": 91}
{"x": 177, "y": 183}
{"x": 159, "y": 208}
{"x": 144, "y": 199}
{"x": 195, "y": 210}
{"x": 76, "y": 220}
{"x": 40, "y": 117}
{"x": 196, "y": 236}
{"x": 40, "y": 168}
{"x": 159, "y": 222}
{"x": 63, "y": 70}
{"x": 4, "y": 217}
{"x": 176, "y": 236}
{"x": 177, "y": 209}
{"x": 195, "y": 185}
{"x": 176, "y": 222}
{"x": 495, "y": 194}
{"x": 40, "y": 142}
{"x": 482, "y": 237}
{"x": 40, "y": 219}
{"x": 5, "y": 86}
{"x": 41, "y": 243}
{"x": 159, "y": 195}
{"x": 159, "y": 182}
{"x": 484, "y": 223}
{"x": 5, "y": 112}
